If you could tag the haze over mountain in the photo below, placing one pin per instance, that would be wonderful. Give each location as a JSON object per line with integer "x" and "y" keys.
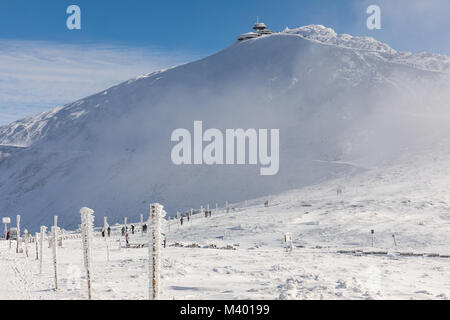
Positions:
{"x": 342, "y": 104}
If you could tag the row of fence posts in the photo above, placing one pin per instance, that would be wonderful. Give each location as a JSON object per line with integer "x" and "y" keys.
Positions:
{"x": 87, "y": 230}
{"x": 39, "y": 242}
{"x": 157, "y": 213}
{"x": 179, "y": 216}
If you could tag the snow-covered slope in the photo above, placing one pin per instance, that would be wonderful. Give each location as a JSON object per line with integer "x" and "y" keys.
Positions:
{"x": 340, "y": 109}
{"x": 332, "y": 255}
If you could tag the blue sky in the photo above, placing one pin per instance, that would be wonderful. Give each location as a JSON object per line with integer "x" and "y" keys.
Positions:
{"x": 43, "y": 64}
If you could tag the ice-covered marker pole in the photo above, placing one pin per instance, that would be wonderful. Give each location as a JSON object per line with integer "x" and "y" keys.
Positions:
{"x": 142, "y": 225}
{"x": 87, "y": 230}
{"x": 18, "y": 234}
{"x": 25, "y": 240}
{"x": 105, "y": 226}
{"x": 43, "y": 232}
{"x": 288, "y": 242}
{"x": 154, "y": 250}
{"x": 36, "y": 243}
{"x": 55, "y": 250}
{"x": 373, "y": 233}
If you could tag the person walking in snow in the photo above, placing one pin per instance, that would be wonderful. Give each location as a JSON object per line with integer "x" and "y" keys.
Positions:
{"x": 109, "y": 232}
{"x": 103, "y": 232}
{"x": 123, "y": 231}
{"x": 181, "y": 221}
{"x": 127, "y": 239}
{"x": 132, "y": 229}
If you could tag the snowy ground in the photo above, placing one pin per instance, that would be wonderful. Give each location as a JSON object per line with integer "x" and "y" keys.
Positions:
{"x": 408, "y": 200}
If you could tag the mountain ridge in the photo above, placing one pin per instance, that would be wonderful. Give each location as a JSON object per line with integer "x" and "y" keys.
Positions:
{"x": 111, "y": 151}
{"x": 23, "y": 132}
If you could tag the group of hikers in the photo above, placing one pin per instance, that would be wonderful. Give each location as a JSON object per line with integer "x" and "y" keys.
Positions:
{"x": 107, "y": 230}
{"x": 124, "y": 230}
{"x": 133, "y": 229}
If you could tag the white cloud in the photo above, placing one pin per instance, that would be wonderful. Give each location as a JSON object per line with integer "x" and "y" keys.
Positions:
{"x": 36, "y": 76}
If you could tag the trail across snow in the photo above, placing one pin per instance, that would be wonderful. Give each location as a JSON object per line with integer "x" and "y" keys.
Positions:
{"x": 407, "y": 200}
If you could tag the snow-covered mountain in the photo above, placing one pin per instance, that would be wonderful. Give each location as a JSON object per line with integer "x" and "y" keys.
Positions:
{"x": 342, "y": 104}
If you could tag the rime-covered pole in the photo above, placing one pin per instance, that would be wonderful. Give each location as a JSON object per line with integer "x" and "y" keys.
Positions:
{"x": 142, "y": 225}
{"x": 36, "y": 242}
{"x": 105, "y": 226}
{"x": 55, "y": 250}
{"x": 87, "y": 228}
{"x": 18, "y": 234}
{"x": 25, "y": 240}
{"x": 154, "y": 250}
{"x": 43, "y": 232}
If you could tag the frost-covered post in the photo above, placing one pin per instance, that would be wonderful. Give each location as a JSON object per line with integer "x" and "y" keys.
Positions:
{"x": 18, "y": 234}
{"x": 207, "y": 210}
{"x": 55, "y": 250}
{"x": 372, "y": 232}
{"x": 105, "y": 230}
{"x": 226, "y": 207}
{"x": 6, "y": 221}
{"x": 288, "y": 242}
{"x": 217, "y": 208}
{"x": 105, "y": 226}
{"x": 36, "y": 241}
{"x": 25, "y": 240}
{"x": 87, "y": 229}
{"x": 154, "y": 250}
{"x": 43, "y": 232}
{"x": 142, "y": 225}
